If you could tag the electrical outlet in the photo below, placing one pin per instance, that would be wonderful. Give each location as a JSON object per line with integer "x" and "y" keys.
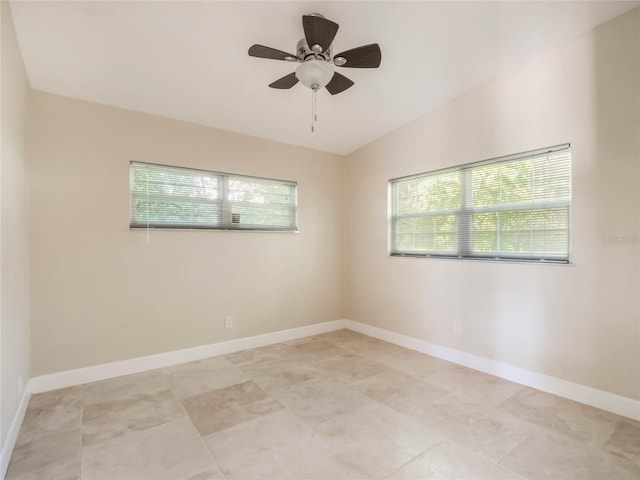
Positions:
{"x": 457, "y": 328}
{"x": 20, "y": 385}
{"x": 228, "y": 321}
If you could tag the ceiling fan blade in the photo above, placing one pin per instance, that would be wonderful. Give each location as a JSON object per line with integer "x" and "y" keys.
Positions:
{"x": 261, "y": 51}
{"x": 338, "y": 83}
{"x": 367, "y": 56}
{"x": 319, "y": 31}
{"x": 285, "y": 82}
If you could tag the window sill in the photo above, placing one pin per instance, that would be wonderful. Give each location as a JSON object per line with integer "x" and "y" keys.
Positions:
{"x": 484, "y": 259}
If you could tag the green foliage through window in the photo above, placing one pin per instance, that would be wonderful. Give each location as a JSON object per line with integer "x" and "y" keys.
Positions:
{"x": 175, "y": 197}
{"x": 515, "y": 207}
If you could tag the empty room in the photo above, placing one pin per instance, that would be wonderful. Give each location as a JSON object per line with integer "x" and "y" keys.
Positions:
{"x": 320, "y": 240}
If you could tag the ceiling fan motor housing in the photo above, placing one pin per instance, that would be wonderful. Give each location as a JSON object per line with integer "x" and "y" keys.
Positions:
{"x": 304, "y": 52}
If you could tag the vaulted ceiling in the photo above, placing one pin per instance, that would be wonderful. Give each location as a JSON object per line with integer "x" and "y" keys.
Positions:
{"x": 188, "y": 60}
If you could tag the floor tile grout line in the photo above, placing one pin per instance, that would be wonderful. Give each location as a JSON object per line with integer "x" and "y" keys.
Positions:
{"x": 519, "y": 475}
{"x": 516, "y": 445}
{"x": 202, "y": 440}
{"x": 541, "y": 429}
{"x": 435, "y": 444}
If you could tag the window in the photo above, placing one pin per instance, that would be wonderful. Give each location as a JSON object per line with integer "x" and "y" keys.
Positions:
{"x": 510, "y": 208}
{"x": 175, "y": 197}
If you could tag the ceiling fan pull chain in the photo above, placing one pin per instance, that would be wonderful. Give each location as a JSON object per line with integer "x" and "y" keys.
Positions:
{"x": 312, "y": 112}
{"x": 314, "y": 108}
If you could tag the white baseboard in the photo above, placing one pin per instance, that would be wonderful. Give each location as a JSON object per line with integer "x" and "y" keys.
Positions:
{"x": 610, "y": 402}
{"x": 12, "y": 436}
{"x": 69, "y": 378}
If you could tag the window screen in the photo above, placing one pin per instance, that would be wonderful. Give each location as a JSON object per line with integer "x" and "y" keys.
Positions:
{"x": 175, "y": 197}
{"x": 512, "y": 208}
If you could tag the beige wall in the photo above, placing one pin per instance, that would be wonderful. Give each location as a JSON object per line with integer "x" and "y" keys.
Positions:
{"x": 14, "y": 230}
{"x": 579, "y": 322}
{"x": 101, "y": 293}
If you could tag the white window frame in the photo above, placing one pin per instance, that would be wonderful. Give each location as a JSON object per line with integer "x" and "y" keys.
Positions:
{"x": 226, "y": 218}
{"x": 466, "y": 210}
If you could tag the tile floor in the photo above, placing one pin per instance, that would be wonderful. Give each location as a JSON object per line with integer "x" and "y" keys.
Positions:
{"x": 333, "y": 406}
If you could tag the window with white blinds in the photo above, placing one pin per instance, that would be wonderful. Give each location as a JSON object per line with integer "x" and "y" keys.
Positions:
{"x": 510, "y": 208}
{"x": 174, "y": 197}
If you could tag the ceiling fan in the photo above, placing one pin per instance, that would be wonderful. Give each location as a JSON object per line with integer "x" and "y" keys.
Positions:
{"x": 317, "y": 62}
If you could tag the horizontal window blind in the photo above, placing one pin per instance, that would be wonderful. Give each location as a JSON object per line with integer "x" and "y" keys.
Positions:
{"x": 511, "y": 208}
{"x": 175, "y": 197}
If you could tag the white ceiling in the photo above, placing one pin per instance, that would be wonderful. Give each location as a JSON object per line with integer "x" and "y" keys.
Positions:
{"x": 188, "y": 60}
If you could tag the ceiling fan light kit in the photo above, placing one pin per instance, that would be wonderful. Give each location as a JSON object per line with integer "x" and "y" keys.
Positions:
{"x": 317, "y": 63}
{"x": 315, "y": 74}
